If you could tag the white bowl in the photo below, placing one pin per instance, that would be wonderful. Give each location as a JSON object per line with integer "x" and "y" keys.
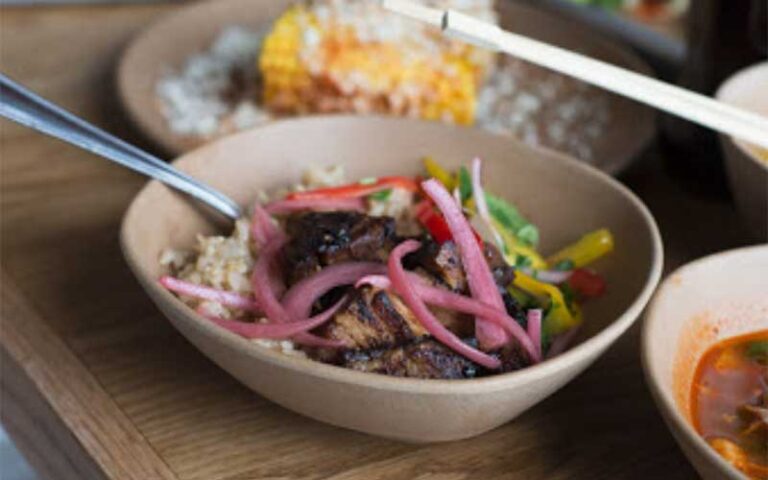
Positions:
{"x": 747, "y": 173}
{"x": 713, "y": 298}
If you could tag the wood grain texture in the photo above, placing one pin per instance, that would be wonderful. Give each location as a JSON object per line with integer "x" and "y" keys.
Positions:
{"x": 59, "y": 224}
{"x": 83, "y": 417}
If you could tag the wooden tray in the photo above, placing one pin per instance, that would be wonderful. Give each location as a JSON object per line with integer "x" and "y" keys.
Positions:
{"x": 96, "y": 384}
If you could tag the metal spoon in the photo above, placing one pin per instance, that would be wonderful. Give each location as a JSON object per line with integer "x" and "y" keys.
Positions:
{"x": 29, "y": 109}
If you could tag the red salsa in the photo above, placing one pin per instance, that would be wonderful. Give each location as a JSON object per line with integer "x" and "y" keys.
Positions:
{"x": 729, "y": 401}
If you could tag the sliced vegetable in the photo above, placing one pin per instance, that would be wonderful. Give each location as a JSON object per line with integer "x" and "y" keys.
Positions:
{"x": 263, "y": 228}
{"x": 534, "y": 328}
{"x": 435, "y": 223}
{"x": 586, "y": 283}
{"x": 524, "y": 299}
{"x": 548, "y": 276}
{"x": 510, "y": 218}
{"x": 517, "y": 254}
{"x": 479, "y": 276}
{"x": 478, "y": 195}
{"x": 229, "y": 299}
{"x": 281, "y": 207}
{"x": 276, "y": 330}
{"x": 403, "y": 285}
{"x": 261, "y": 280}
{"x": 586, "y": 250}
{"x": 563, "y": 265}
{"x": 758, "y": 351}
{"x": 447, "y": 299}
{"x": 265, "y": 293}
{"x": 356, "y": 190}
{"x": 381, "y": 196}
{"x": 569, "y": 295}
{"x": 558, "y": 318}
{"x": 299, "y": 299}
{"x": 465, "y": 184}
{"x": 379, "y": 281}
{"x": 436, "y": 171}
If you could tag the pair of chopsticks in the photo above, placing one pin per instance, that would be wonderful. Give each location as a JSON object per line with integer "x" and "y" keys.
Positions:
{"x": 692, "y": 106}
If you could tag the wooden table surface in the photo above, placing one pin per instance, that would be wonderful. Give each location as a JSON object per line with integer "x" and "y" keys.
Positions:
{"x": 96, "y": 384}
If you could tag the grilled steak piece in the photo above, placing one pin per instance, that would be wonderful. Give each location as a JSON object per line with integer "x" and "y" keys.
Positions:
{"x": 373, "y": 319}
{"x": 427, "y": 358}
{"x": 421, "y": 359}
{"x": 458, "y": 323}
{"x": 444, "y": 263}
{"x": 319, "y": 239}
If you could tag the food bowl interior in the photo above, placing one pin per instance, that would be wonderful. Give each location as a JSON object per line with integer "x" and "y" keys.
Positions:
{"x": 564, "y": 198}
{"x": 712, "y": 299}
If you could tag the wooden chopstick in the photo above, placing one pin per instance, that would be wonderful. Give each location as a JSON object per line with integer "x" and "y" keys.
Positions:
{"x": 692, "y": 106}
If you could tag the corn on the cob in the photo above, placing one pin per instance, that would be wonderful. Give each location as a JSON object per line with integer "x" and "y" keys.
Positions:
{"x": 351, "y": 56}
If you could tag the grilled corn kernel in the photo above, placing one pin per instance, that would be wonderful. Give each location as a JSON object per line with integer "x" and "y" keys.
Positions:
{"x": 350, "y": 56}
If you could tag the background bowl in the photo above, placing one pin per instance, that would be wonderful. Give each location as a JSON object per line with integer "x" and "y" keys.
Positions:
{"x": 563, "y": 197}
{"x": 717, "y": 297}
{"x": 150, "y": 57}
{"x": 747, "y": 173}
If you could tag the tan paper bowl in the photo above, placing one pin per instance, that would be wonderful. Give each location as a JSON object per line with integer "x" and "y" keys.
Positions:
{"x": 747, "y": 173}
{"x": 711, "y": 299}
{"x": 565, "y": 198}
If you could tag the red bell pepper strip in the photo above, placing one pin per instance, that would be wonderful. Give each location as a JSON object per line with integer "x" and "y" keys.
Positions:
{"x": 586, "y": 283}
{"x": 355, "y": 190}
{"x": 435, "y": 224}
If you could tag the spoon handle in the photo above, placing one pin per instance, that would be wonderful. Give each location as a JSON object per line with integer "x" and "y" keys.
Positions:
{"x": 29, "y": 109}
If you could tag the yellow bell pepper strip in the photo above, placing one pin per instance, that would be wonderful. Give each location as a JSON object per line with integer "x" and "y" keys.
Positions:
{"x": 578, "y": 316}
{"x": 586, "y": 250}
{"x": 436, "y": 171}
{"x": 514, "y": 250}
{"x": 559, "y": 317}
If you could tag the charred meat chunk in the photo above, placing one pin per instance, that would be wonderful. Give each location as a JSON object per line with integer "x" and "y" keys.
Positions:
{"x": 443, "y": 262}
{"x": 319, "y": 239}
{"x": 373, "y": 319}
{"x": 421, "y": 359}
{"x": 429, "y": 359}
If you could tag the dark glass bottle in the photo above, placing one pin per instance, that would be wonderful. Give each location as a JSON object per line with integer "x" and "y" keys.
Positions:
{"x": 723, "y": 37}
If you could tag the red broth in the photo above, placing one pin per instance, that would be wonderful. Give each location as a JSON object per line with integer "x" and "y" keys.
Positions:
{"x": 729, "y": 401}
